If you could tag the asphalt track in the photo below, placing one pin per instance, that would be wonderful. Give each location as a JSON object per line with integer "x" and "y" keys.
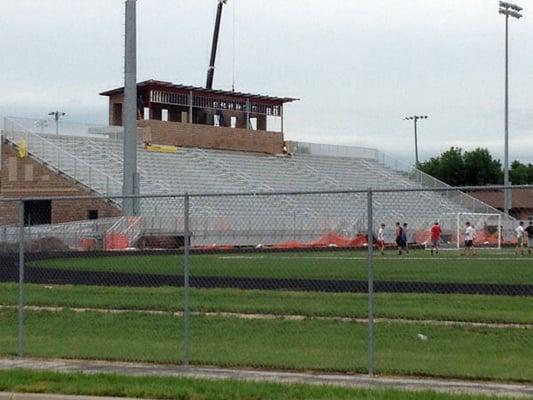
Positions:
{"x": 9, "y": 273}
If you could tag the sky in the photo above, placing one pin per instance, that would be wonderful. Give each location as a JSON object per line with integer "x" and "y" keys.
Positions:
{"x": 358, "y": 66}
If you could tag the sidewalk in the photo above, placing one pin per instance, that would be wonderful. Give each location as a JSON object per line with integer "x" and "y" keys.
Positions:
{"x": 355, "y": 381}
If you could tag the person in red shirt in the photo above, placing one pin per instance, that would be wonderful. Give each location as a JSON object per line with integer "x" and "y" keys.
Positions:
{"x": 436, "y": 231}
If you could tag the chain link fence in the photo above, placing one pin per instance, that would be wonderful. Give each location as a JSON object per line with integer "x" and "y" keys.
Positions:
{"x": 274, "y": 281}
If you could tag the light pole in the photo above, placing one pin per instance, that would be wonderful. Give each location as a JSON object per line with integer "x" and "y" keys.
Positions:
{"x": 57, "y": 115}
{"x": 509, "y": 10}
{"x": 130, "y": 176}
{"x": 415, "y": 119}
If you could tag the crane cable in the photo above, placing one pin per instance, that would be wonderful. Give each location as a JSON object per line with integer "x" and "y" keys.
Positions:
{"x": 233, "y": 60}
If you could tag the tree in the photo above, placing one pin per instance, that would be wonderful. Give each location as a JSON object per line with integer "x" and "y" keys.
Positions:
{"x": 521, "y": 174}
{"x": 448, "y": 167}
{"x": 481, "y": 169}
{"x": 471, "y": 168}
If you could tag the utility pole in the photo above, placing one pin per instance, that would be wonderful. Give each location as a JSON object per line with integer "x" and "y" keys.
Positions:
{"x": 415, "y": 119}
{"x": 130, "y": 184}
{"x": 509, "y": 10}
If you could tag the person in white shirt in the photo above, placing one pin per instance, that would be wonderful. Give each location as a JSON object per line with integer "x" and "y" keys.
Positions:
{"x": 470, "y": 235}
{"x": 381, "y": 239}
{"x": 519, "y": 232}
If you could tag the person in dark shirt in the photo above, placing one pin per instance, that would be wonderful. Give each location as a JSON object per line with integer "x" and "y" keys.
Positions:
{"x": 529, "y": 231}
{"x": 400, "y": 242}
{"x": 405, "y": 239}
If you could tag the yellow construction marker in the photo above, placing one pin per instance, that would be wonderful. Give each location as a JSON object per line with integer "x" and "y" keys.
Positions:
{"x": 159, "y": 148}
{"x": 23, "y": 149}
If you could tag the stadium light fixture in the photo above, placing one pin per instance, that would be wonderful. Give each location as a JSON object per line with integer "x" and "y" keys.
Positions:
{"x": 509, "y": 10}
{"x": 57, "y": 115}
{"x": 510, "y": 6}
{"x": 415, "y": 119}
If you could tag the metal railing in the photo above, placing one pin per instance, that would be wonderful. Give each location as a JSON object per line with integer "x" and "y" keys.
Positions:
{"x": 425, "y": 180}
{"x": 67, "y": 164}
{"x": 415, "y": 175}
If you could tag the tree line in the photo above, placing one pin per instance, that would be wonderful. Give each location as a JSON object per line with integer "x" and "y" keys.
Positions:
{"x": 474, "y": 168}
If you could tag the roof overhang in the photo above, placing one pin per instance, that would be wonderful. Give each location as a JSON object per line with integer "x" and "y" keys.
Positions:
{"x": 200, "y": 90}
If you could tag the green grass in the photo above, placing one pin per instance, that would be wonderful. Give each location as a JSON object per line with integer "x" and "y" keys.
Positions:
{"x": 168, "y": 388}
{"x": 466, "y": 352}
{"x": 311, "y": 344}
{"x": 412, "y": 306}
{"x": 488, "y": 267}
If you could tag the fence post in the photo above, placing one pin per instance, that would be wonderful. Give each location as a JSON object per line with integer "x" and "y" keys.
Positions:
{"x": 186, "y": 311}
{"x": 21, "y": 282}
{"x": 370, "y": 247}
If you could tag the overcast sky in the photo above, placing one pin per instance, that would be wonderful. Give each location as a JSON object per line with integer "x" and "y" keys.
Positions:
{"x": 358, "y": 66}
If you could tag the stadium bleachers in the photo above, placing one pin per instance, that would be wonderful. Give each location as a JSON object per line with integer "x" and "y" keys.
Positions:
{"x": 96, "y": 162}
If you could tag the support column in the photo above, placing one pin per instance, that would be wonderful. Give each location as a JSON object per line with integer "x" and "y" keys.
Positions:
{"x": 190, "y": 106}
{"x": 21, "y": 319}
{"x": 506, "y": 192}
{"x": 281, "y": 114}
{"x": 186, "y": 308}
{"x": 247, "y": 115}
{"x": 129, "y": 186}
{"x": 370, "y": 269}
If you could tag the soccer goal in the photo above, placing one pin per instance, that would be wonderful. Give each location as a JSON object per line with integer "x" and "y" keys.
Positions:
{"x": 487, "y": 227}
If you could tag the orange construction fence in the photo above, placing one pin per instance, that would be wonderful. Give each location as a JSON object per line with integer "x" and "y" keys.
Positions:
{"x": 116, "y": 241}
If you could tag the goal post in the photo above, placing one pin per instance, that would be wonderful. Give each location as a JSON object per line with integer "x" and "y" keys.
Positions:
{"x": 487, "y": 227}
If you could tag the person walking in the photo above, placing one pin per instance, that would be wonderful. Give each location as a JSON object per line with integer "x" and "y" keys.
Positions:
{"x": 399, "y": 238}
{"x": 381, "y": 239}
{"x": 470, "y": 235}
{"x": 520, "y": 236}
{"x": 405, "y": 241}
{"x": 436, "y": 232}
{"x": 529, "y": 231}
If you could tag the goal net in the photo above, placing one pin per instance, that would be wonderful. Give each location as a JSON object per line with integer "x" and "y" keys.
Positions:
{"x": 487, "y": 228}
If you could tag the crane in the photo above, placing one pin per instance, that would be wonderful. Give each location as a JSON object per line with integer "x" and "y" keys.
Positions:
{"x": 211, "y": 69}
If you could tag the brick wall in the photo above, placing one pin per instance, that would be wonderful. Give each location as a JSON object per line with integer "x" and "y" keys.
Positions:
{"x": 116, "y": 120}
{"x": 211, "y": 137}
{"x": 28, "y": 178}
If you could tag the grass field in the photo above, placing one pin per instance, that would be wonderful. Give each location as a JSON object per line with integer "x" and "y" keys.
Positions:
{"x": 281, "y": 344}
{"x": 469, "y": 336}
{"x": 487, "y": 267}
{"x": 195, "y": 389}
{"x": 455, "y": 307}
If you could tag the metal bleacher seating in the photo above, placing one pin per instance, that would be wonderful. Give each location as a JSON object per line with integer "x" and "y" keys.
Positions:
{"x": 96, "y": 162}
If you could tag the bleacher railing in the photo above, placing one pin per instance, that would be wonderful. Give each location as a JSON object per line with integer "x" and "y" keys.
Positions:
{"x": 19, "y": 133}
{"x": 44, "y": 126}
{"x": 69, "y": 233}
{"x": 331, "y": 150}
{"x": 415, "y": 175}
{"x": 424, "y": 180}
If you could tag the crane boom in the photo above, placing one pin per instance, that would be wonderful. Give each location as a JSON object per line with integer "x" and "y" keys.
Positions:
{"x": 211, "y": 69}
